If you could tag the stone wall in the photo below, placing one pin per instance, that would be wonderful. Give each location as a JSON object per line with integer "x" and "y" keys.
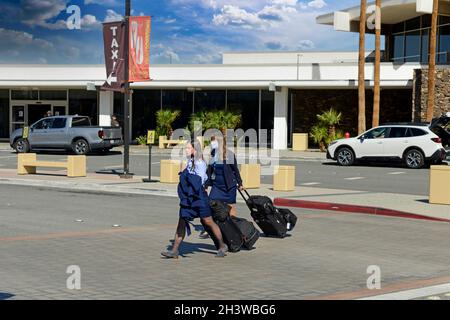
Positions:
{"x": 395, "y": 106}
{"x": 420, "y": 93}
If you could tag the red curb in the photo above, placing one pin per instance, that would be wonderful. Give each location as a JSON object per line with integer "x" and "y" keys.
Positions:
{"x": 351, "y": 208}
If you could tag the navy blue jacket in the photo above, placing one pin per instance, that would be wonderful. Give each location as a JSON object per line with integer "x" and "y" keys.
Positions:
{"x": 232, "y": 174}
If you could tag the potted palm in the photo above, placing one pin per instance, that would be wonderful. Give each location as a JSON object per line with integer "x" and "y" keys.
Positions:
{"x": 164, "y": 120}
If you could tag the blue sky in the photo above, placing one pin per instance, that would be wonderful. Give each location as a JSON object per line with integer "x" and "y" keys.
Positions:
{"x": 183, "y": 31}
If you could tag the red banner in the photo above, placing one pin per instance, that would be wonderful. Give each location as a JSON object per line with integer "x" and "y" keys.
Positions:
{"x": 114, "y": 44}
{"x": 139, "y": 49}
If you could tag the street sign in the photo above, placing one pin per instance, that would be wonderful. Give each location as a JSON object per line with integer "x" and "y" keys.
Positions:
{"x": 151, "y": 136}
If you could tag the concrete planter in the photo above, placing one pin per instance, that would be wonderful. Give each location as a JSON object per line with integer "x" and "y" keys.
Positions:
{"x": 439, "y": 189}
{"x": 169, "y": 171}
{"x": 251, "y": 176}
{"x": 284, "y": 178}
{"x": 299, "y": 142}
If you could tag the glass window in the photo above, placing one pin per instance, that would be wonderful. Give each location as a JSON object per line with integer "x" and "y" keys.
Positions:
{"x": 84, "y": 103}
{"x": 444, "y": 44}
{"x": 426, "y": 21}
{"x": 398, "y": 47}
{"x": 24, "y": 95}
{"x": 80, "y": 122}
{"x": 145, "y": 105}
{"x": 377, "y": 133}
{"x": 209, "y": 100}
{"x": 178, "y": 100}
{"x": 444, "y": 20}
{"x": 412, "y": 46}
{"x": 399, "y": 27}
{"x": 59, "y": 123}
{"x": 53, "y": 95}
{"x": 43, "y": 124}
{"x": 4, "y": 113}
{"x": 397, "y": 132}
{"x": 247, "y": 104}
{"x": 267, "y": 115}
{"x": 425, "y": 48}
{"x": 412, "y": 24}
{"x": 416, "y": 132}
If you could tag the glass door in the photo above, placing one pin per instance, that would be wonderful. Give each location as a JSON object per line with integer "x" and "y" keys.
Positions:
{"x": 17, "y": 117}
{"x": 59, "y": 110}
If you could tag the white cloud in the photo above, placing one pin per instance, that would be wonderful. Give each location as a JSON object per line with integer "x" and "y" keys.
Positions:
{"x": 317, "y": 4}
{"x": 306, "y": 45}
{"x": 111, "y": 16}
{"x": 37, "y": 12}
{"x": 102, "y": 2}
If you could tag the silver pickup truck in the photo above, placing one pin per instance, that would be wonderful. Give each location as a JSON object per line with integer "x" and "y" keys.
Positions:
{"x": 66, "y": 133}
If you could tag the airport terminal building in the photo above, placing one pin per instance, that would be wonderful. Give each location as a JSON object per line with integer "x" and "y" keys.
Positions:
{"x": 278, "y": 91}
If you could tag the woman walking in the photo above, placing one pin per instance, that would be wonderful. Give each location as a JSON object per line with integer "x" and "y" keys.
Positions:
{"x": 194, "y": 202}
{"x": 224, "y": 178}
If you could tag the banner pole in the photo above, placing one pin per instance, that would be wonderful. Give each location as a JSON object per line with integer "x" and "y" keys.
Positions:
{"x": 126, "y": 156}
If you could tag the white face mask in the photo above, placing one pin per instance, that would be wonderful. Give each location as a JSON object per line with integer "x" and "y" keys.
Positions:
{"x": 214, "y": 144}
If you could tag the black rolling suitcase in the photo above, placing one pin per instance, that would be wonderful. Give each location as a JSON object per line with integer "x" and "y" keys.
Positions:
{"x": 236, "y": 232}
{"x": 289, "y": 217}
{"x": 266, "y": 215}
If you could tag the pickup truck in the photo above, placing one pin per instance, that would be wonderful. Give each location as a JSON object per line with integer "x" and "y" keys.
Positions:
{"x": 73, "y": 133}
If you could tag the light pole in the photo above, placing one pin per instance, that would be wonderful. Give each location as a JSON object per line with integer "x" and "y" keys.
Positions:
{"x": 126, "y": 128}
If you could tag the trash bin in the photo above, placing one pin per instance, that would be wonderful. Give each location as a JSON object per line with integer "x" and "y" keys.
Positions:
{"x": 439, "y": 189}
{"x": 299, "y": 142}
{"x": 169, "y": 171}
{"x": 284, "y": 178}
{"x": 251, "y": 175}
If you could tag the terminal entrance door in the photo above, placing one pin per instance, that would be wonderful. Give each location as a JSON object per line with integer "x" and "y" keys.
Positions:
{"x": 37, "y": 112}
{"x": 25, "y": 114}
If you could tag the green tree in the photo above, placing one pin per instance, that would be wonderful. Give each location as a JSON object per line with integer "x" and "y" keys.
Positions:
{"x": 164, "y": 120}
{"x": 330, "y": 118}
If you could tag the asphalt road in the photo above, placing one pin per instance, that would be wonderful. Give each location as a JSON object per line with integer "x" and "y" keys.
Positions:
{"x": 42, "y": 232}
{"x": 323, "y": 174}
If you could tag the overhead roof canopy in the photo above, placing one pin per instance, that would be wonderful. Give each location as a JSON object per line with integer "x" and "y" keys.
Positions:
{"x": 392, "y": 12}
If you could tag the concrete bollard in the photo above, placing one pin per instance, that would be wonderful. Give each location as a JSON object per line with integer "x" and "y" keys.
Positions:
{"x": 76, "y": 166}
{"x": 439, "y": 185}
{"x": 299, "y": 142}
{"x": 251, "y": 175}
{"x": 169, "y": 171}
{"x": 23, "y": 158}
{"x": 284, "y": 178}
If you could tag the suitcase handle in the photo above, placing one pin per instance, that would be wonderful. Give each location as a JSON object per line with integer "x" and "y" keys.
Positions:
{"x": 243, "y": 197}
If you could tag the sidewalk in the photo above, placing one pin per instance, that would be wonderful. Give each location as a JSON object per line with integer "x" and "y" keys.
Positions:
{"x": 311, "y": 154}
{"x": 108, "y": 183}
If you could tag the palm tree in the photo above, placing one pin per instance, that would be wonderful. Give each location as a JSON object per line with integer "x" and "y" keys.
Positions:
{"x": 376, "y": 87}
{"x": 164, "y": 120}
{"x": 330, "y": 119}
{"x": 432, "y": 62}
{"x": 361, "y": 63}
{"x": 319, "y": 134}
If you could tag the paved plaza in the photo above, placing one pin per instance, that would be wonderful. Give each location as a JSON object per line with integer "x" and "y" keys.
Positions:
{"x": 115, "y": 240}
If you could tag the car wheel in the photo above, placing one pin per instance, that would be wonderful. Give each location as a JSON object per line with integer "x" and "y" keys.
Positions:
{"x": 345, "y": 157}
{"x": 80, "y": 147}
{"x": 414, "y": 159}
{"x": 22, "y": 146}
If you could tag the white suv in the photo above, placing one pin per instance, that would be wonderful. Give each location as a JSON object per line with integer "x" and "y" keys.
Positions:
{"x": 414, "y": 144}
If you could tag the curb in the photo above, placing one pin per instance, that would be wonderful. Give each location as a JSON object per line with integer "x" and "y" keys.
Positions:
{"x": 352, "y": 209}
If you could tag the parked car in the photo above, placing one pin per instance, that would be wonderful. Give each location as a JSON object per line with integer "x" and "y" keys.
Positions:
{"x": 413, "y": 144}
{"x": 73, "y": 133}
